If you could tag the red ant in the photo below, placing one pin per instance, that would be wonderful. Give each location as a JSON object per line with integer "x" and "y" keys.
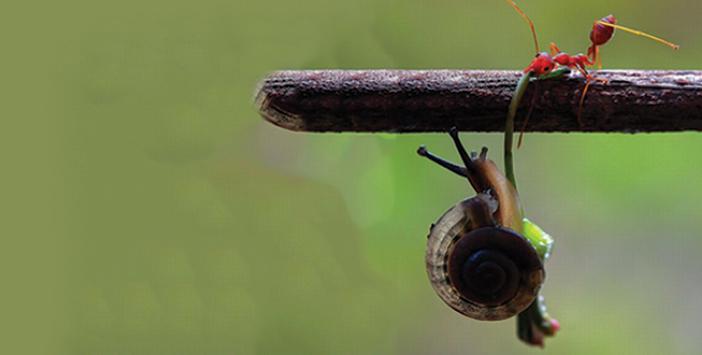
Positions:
{"x": 544, "y": 64}
{"x": 534, "y": 323}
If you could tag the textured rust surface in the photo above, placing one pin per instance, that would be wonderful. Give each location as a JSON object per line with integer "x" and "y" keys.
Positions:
{"x": 434, "y": 100}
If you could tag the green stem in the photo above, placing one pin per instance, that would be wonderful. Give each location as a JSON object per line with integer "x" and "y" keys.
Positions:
{"x": 533, "y": 323}
{"x": 509, "y": 125}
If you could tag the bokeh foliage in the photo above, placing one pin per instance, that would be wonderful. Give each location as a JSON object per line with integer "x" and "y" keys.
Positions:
{"x": 151, "y": 211}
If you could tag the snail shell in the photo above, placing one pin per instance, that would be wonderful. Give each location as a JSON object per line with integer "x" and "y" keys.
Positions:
{"x": 480, "y": 269}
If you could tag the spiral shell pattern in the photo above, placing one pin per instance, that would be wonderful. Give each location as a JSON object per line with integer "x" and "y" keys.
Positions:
{"x": 485, "y": 272}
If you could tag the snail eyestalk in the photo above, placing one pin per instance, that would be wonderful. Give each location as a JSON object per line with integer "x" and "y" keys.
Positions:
{"x": 475, "y": 179}
{"x": 460, "y": 171}
{"x": 471, "y": 175}
{"x": 453, "y": 132}
{"x": 640, "y": 33}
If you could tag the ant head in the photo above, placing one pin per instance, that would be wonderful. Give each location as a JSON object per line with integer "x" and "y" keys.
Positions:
{"x": 542, "y": 64}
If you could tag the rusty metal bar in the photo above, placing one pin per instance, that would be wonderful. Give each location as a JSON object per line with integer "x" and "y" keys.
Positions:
{"x": 476, "y": 100}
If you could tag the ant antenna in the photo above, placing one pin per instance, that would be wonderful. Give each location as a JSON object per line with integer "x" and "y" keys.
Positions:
{"x": 528, "y": 20}
{"x": 638, "y": 33}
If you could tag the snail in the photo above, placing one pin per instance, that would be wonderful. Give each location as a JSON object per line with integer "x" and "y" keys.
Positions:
{"x": 483, "y": 258}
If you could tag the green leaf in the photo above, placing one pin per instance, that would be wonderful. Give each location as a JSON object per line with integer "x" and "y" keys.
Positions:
{"x": 540, "y": 240}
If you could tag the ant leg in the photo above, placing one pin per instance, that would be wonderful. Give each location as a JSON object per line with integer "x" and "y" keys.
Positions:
{"x": 593, "y": 54}
{"x": 589, "y": 79}
{"x": 582, "y": 101}
{"x": 526, "y": 119}
{"x": 458, "y": 170}
{"x": 599, "y": 59}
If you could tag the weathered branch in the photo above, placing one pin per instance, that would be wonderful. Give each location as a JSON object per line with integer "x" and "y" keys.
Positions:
{"x": 435, "y": 100}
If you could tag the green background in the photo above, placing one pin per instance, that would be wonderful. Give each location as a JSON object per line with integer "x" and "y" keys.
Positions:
{"x": 148, "y": 209}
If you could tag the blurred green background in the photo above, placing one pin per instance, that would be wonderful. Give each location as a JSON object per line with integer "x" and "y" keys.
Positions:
{"x": 150, "y": 210}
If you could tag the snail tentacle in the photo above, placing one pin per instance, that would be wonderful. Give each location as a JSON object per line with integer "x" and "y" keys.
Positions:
{"x": 458, "y": 170}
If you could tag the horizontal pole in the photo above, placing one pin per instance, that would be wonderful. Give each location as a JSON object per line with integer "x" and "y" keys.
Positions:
{"x": 477, "y": 100}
